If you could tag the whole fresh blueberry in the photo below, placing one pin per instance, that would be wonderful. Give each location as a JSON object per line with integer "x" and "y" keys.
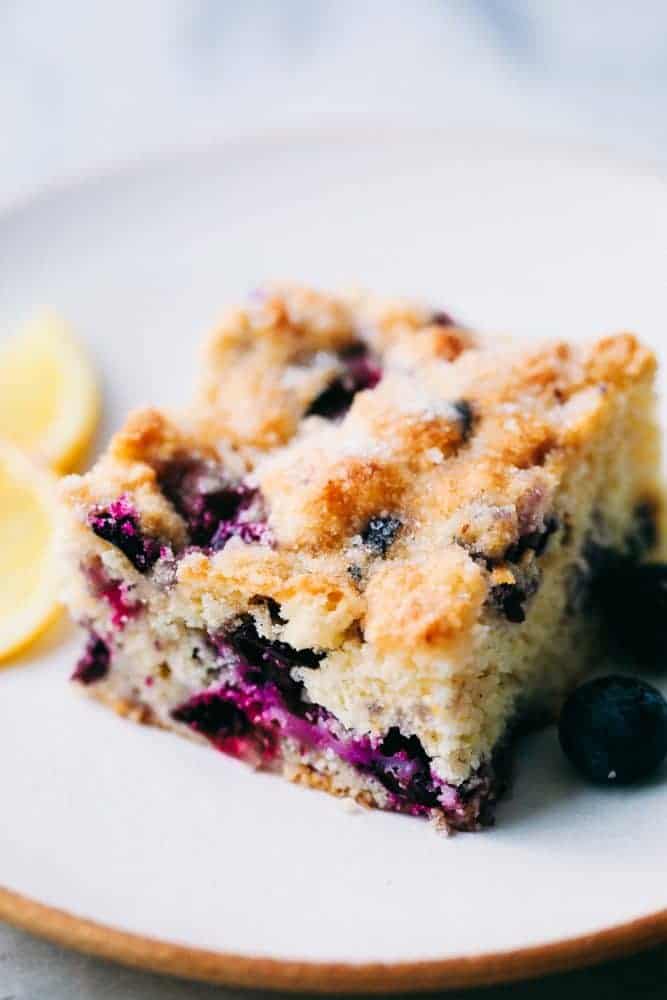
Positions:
{"x": 614, "y": 729}
{"x": 634, "y": 603}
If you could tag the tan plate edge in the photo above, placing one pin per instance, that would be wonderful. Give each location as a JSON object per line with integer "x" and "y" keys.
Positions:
{"x": 268, "y": 973}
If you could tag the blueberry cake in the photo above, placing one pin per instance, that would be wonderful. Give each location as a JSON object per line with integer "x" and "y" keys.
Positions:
{"x": 368, "y": 552}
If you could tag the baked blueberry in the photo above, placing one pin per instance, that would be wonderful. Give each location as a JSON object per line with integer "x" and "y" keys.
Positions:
{"x": 634, "y": 602}
{"x": 212, "y": 715}
{"x": 645, "y": 534}
{"x": 361, "y": 372}
{"x": 441, "y": 318}
{"x": 402, "y": 765}
{"x": 465, "y": 415}
{"x": 94, "y": 662}
{"x": 380, "y": 532}
{"x": 204, "y": 496}
{"x": 509, "y": 599}
{"x": 614, "y": 729}
{"x": 536, "y": 541}
{"x": 256, "y": 649}
{"x": 214, "y": 506}
{"x": 118, "y": 524}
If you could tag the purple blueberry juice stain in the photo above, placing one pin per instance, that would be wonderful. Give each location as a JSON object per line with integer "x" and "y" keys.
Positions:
{"x": 118, "y": 524}
{"x": 262, "y": 703}
{"x": 361, "y": 372}
{"x": 115, "y": 593}
{"x": 122, "y": 607}
{"x": 94, "y": 663}
{"x": 229, "y": 725}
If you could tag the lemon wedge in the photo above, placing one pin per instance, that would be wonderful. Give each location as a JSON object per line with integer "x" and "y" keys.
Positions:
{"x": 29, "y": 580}
{"x": 49, "y": 403}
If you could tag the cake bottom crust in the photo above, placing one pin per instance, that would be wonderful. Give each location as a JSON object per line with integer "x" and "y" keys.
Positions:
{"x": 472, "y": 804}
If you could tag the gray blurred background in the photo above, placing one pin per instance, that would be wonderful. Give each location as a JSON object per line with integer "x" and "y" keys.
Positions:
{"x": 85, "y": 84}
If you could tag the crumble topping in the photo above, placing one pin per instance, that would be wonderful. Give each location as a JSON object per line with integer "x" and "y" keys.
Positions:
{"x": 462, "y": 460}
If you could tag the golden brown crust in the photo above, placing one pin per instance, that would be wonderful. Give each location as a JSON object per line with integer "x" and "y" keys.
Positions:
{"x": 310, "y": 778}
{"x": 433, "y": 601}
{"x": 134, "y": 710}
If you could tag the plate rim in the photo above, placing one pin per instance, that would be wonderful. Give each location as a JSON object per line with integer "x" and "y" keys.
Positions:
{"x": 506, "y": 141}
{"x": 300, "y": 976}
{"x": 104, "y": 941}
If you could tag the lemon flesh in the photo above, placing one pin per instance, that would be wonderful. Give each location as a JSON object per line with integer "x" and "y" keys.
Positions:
{"x": 49, "y": 403}
{"x": 28, "y": 582}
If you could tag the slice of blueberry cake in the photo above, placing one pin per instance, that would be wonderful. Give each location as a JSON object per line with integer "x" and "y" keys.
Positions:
{"x": 369, "y": 552}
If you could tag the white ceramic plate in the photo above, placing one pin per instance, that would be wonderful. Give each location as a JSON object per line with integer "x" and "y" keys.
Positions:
{"x": 240, "y": 876}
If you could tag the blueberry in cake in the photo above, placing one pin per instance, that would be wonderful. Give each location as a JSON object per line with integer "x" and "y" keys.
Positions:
{"x": 370, "y": 549}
